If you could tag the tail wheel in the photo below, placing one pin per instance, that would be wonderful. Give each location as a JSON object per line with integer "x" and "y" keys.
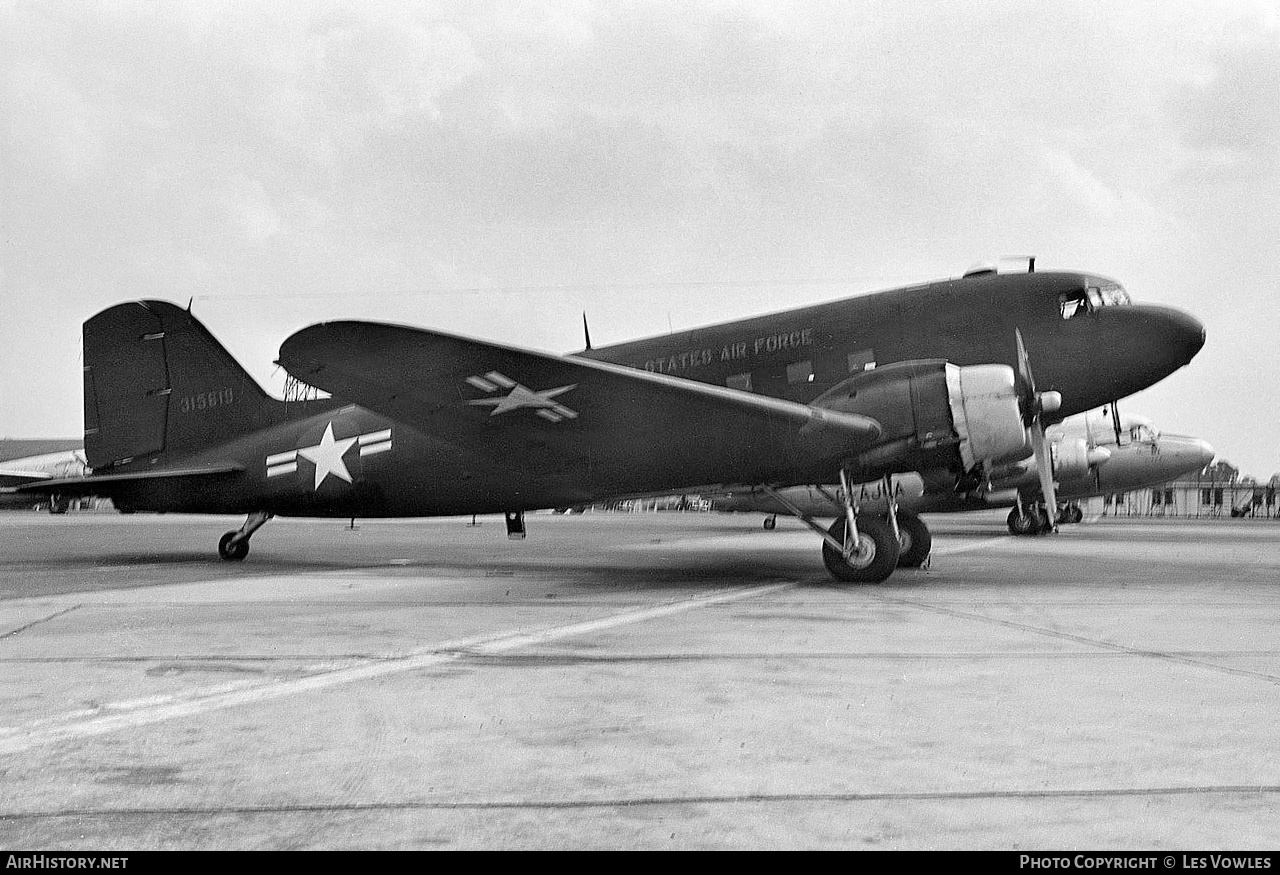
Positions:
{"x": 232, "y": 550}
{"x": 914, "y": 540}
{"x": 875, "y": 558}
{"x": 770, "y": 523}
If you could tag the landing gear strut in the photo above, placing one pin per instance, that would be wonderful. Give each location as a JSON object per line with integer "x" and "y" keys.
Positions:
{"x": 858, "y": 548}
{"x": 234, "y": 546}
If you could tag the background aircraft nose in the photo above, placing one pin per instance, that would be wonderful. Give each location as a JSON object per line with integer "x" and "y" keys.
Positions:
{"x": 1192, "y": 452}
{"x": 1205, "y": 449}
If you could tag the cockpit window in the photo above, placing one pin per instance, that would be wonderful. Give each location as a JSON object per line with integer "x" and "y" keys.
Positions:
{"x": 1092, "y": 299}
{"x": 1109, "y": 295}
{"x": 1072, "y": 304}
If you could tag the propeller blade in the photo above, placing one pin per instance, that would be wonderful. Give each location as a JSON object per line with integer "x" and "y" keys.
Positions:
{"x": 1115, "y": 420}
{"x": 1037, "y": 404}
{"x": 1024, "y": 369}
{"x": 1044, "y": 466}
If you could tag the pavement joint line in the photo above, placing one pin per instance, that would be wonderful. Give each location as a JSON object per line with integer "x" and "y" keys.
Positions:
{"x": 112, "y": 717}
{"x": 52, "y": 616}
{"x": 1167, "y": 655}
{"x": 197, "y": 660}
{"x": 654, "y": 801}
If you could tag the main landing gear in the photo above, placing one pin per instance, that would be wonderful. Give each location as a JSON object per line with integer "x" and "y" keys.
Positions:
{"x": 234, "y": 546}
{"x": 862, "y": 547}
{"x": 1029, "y": 519}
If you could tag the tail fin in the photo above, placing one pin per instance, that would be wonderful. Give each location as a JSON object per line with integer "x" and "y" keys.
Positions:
{"x": 157, "y": 382}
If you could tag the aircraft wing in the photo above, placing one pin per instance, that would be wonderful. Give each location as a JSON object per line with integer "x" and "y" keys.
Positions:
{"x": 604, "y": 428}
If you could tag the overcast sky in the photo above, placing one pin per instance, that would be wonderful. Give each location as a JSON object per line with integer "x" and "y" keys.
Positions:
{"x": 497, "y": 168}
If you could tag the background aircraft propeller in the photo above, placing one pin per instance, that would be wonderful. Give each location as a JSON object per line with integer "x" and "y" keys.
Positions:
{"x": 1035, "y": 405}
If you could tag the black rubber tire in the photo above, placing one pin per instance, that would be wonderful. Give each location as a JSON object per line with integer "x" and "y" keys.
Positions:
{"x": 1074, "y": 514}
{"x": 232, "y": 552}
{"x": 770, "y": 523}
{"x": 879, "y": 556}
{"x": 1023, "y": 524}
{"x": 914, "y": 541}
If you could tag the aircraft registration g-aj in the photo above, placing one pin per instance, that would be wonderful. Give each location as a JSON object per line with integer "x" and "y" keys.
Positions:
{"x": 424, "y": 423}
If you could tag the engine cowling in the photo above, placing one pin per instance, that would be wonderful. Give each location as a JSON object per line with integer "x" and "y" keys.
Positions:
{"x": 1074, "y": 458}
{"x": 934, "y": 414}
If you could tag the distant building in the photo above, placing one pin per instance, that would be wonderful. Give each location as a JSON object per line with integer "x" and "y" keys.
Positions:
{"x": 1217, "y": 491}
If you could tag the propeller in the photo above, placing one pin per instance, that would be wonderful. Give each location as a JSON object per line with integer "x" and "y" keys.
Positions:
{"x": 1035, "y": 405}
{"x": 1115, "y": 420}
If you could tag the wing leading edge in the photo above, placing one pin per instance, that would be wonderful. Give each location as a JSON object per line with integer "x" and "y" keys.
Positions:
{"x": 598, "y": 428}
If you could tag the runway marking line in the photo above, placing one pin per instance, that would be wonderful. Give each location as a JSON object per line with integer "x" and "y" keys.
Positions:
{"x": 116, "y": 716}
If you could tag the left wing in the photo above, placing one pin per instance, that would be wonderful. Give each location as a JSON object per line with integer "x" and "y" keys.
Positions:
{"x": 598, "y": 428}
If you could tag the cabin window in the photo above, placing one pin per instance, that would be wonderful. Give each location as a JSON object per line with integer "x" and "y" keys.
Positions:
{"x": 739, "y": 381}
{"x": 800, "y": 372}
{"x": 862, "y": 360}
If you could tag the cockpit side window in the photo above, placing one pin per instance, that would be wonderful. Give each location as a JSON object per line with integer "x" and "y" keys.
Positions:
{"x": 1072, "y": 304}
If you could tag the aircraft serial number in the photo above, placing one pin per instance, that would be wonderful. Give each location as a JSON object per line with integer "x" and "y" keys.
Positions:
{"x": 206, "y": 400}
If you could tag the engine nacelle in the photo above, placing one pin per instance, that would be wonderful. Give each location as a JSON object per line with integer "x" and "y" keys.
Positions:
{"x": 1074, "y": 458}
{"x": 933, "y": 415}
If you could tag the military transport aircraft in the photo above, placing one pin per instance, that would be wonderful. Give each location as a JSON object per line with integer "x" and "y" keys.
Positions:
{"x": 425, "y": 423}
{"x": 1086, "y": 463}
{"x": 37, "y": 468}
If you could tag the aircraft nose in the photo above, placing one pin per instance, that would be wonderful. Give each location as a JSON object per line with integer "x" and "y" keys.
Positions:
{"x": 1185, "y": 332}
{"x": 1204, "y": 451}
{"x": 1190, "y": 453}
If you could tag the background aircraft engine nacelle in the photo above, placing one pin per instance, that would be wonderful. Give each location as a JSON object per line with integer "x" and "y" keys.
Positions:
{"x": 933, "y": 415}
{"x": 1073, "y": 458}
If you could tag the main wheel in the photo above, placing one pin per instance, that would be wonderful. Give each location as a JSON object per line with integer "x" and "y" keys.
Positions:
{"x": 875, "y": 558}
{"x": 1023, "y": 523}
{"x": 1074, "y": 514}
{"x": 230, "y": 550}
{"x": 914, "y": 540}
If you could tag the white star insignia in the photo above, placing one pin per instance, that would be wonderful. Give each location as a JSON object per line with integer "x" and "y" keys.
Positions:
{"x": 327, "y": 456}
{"x": 519, "y": 396}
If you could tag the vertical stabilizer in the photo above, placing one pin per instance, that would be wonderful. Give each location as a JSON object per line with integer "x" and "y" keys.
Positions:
{"x": 156, "y": 382}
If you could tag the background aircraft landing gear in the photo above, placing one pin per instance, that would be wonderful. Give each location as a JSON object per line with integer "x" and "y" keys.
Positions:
{"x": 914, "y": 540}
{"x": 771, "y": 522}
{"x": 234, "y": 546}
{"x": 874, "y": 556}
{"x": 1070, "y": 513}
{"x": 1029, "y": 521}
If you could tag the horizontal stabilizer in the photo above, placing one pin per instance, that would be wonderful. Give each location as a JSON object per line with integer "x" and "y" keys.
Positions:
{"x": 11, "y": 477}
{"x": 106, "y": 483}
